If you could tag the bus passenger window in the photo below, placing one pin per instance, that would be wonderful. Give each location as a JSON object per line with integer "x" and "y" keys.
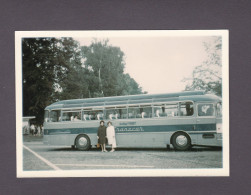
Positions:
{"x": 134, "y": 112}
{"x": 205, "y": 110}
{"x": 146, "y": 111}
{"x": 46, "y": 116}
{"x": 100, "y": 115}
{"x": 85, "y": 117}
{"x": 157, "y": 112}
{"x": 171, "y": 110}
{"x": 112, "y": 113}
{"x": 55, "y": 115}
{"x": 111, "y": 116}
{"x": 71, "y": 116}
{"x": 186, "y": 109}
{"x": 93, "y": 115}
{"x": 160, "y": 111}
{"x": 121, "y": 112}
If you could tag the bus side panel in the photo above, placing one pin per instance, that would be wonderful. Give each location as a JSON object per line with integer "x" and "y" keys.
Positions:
{"x": 215, "y": 141}
{"x": 66, "y": 140}
{"x": 143, "y": 140}
{"x": 150, "y": 133}
{"x": 66, "y": 133}
{"x": 140, "y": 134}
{"x": 209, "y": 137}
{"x": 59, "y": 140}
{"x": 164, "y": 128}
{"x": 156, "y": 139}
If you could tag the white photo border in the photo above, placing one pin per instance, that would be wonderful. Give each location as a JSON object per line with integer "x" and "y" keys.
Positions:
{"x": 224, "y": 171}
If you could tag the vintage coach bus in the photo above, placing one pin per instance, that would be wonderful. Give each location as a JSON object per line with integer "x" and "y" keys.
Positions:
{"x": 148, "y": 121}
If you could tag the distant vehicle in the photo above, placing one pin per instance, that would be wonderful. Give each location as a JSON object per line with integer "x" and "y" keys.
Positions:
{"x": 26, "y": 124}
{"x": 182, "y": 119}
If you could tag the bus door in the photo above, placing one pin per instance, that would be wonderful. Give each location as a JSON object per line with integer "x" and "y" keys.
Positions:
{"x": 187, "y": 120}
{"x": 206, "y": 124}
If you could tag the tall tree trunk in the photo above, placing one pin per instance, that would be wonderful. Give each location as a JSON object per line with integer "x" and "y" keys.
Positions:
{"x": 100, "y": 82}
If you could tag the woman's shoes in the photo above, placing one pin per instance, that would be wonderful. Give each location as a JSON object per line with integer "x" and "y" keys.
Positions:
{"x": 112, "y": 150}
{"x": 105, "y": 150}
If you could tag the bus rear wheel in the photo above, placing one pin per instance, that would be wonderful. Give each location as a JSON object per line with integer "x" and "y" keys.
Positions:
{"x": 82, "y": 142}
{"x": 181, "y": 141}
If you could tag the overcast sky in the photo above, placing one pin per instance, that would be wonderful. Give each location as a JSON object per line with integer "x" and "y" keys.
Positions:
{"x": 158, "y": 64}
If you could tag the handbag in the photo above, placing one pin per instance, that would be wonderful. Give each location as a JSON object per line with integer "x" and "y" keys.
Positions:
{"x": 98, "y": 144}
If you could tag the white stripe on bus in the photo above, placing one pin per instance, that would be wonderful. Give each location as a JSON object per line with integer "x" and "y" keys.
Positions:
{"x": 140, "y": 132}
{"x": 43, "y": 159}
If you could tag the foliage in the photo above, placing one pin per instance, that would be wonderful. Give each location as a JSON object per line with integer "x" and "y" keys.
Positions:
{"x": 207, "y": 76}
{"x": 58, "y": 68}
{"x": 49, "y": 64}
{"x": 106, "y": 65}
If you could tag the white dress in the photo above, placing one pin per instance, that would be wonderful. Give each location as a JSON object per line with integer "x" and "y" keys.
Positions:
{"x": 110, "y": 133}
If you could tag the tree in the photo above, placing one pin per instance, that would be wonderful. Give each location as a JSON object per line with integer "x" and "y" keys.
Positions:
{"x": 74, "y": 83}
{"x": 130, "y": 86}
{"x": 208, "y": 75}
{"x": 58, "y": 69}
{"x": 47, "y": 64}
{"x": 106, "y": 67}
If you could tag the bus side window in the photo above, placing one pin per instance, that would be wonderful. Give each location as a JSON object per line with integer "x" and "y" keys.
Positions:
{"x": 113, "y": 114}
{"x": 186, "y": 109}
{"x": 205, "y": 110}
{"x": 172, "y": 110}
{"x": 100, "y": 116}
{"x": 71, "y": 116}
{"x": 122, "y": 112}
{"x": 146, "y": 111}
{"x": 85, "y": 117}
{"x": 131, "y": 113}
{"x": 134, "y": 112}
{"x": 46, "y": 116}
{"x": 157, "y": 112}
{"x": 210, "y": 110}
{"x": 54, "y": 115}
{"x": 116, "y": 113}
{"x": 160, "y": 111}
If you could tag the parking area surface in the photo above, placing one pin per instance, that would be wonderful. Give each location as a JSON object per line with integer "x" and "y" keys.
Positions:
{"x": 37, "y": 156}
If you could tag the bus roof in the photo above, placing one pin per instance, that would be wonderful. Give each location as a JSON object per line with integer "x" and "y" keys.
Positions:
{"x": 134, "y": 99}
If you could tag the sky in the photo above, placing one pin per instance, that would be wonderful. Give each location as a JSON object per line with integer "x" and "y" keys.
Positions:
{"x": 159, "y": 64}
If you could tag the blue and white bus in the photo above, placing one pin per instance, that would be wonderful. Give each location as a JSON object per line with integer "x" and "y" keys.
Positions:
{"x": 180, "y": 119}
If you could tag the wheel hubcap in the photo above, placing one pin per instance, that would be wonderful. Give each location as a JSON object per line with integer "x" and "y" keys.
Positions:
{"x": 181, "y": 140}
{"x": 82, "y": 141}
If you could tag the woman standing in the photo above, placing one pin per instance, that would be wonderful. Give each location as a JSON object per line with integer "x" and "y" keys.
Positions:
{"x": 102, "y": 136}
{"x": 110, "y": 132}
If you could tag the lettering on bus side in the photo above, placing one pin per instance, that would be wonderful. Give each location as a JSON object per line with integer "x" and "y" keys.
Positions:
{"x": 128, "y": 123}
{"x": 129, "y": 129}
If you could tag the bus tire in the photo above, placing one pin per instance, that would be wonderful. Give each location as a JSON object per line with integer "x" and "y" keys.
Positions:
{"x": 181, "y": 141}
{"x": 82, "y": 142}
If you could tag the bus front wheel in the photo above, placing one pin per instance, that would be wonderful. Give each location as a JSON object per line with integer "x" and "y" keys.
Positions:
{"x": 181, "y": 141}
{"x": 82, "y": 142}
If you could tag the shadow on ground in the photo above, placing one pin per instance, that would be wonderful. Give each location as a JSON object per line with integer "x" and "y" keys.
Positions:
{"x": 194, "y": 149}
